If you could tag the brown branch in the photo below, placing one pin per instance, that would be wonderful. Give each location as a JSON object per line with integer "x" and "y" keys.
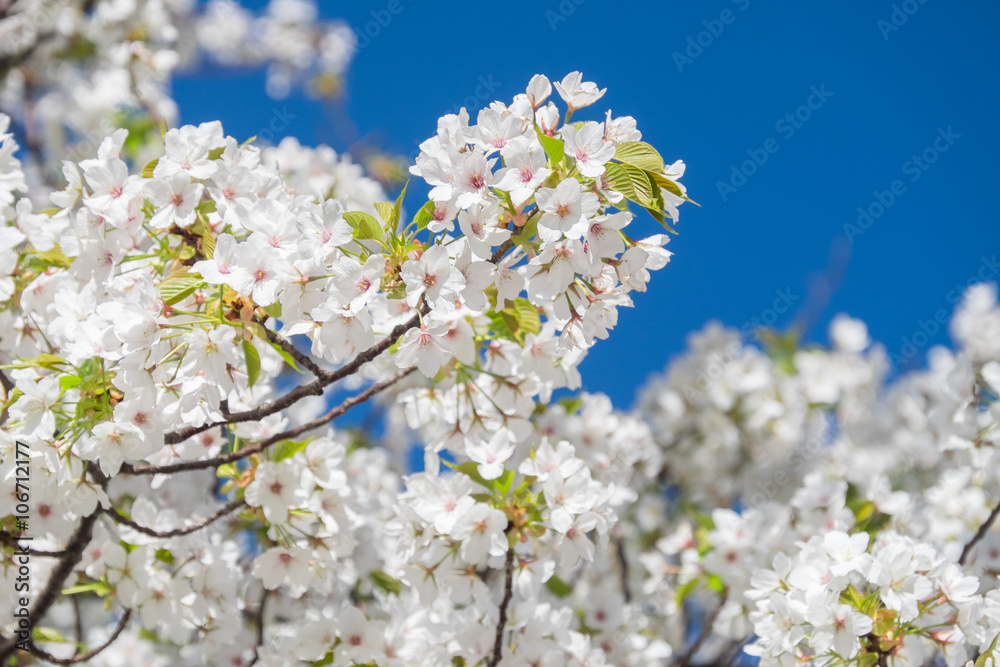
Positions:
{"x": 260, "y": 628}
{"x": 9, "y": 540}
{"x": 186, "y": 530}
{"x": 980, "y": 534}
{"x": 286, "y": 345}
{"x": 89, "y": 654}
{"x": 77, "y": 624}
{"x": 623, "y": 568}
{"x": 264, "y": 444}
{"x": 73, "y": 553}
{"x": 6, "y": 383}
{"x": 508, "y": 593}
{"x": 706, "y": 630}
{"x": 314, "y": 388}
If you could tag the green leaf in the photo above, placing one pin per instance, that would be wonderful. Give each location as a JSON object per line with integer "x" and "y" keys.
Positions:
{"x": 165, "y": 556}
{"x": 287, "y": 357}
{"x": 365, "y": 226}
{"x": 424, "y": 215}
{"x": 554, "y": 148}
{"x": 69, "y": 381}
{"x": 44, "y": 360}
{"x": 216, "y": 153}
{"x": 179, "y": 286}
{"x": 100, "y": 588}
{"x": 558, "y": 587}
{"x": 397, "y": 208}
{"x": 253, "y": 362}
{"x": 286, "y": 449}
{"x": 208, "y": 244}
{"x": 55, "y": 257}
{"x": 631, "y": 181}
{"x": 504, "y": 482}
{"x": 527, "y": 316}
{"x": 387, "y": 583}
{"x": 226, "y": 470}
{"x": 147, "y": 171}
{"x": 43, "y": 634}
{"x": 385, "y": 211}
{"x": 870, "y": 660}
{"x": 471, "y": 470}
{"x": 249, "y": 141}
{"x": 986, "y": 655}
{"x": 639, "y": 154}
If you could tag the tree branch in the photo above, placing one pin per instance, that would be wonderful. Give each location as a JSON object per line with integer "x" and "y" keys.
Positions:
{"x": 980, "y": 534}
{"x": 260, "y": 628}
{"x": 73, "y": 554}
{"x": 323, "y": 378}
{"x": 314, "y": 388}
{"x": 623, "y": 568}
{"x": 706, "y": 631}
{"x": 9, "y": 540}
{"x": 264, "y": 444}
{"x": 508, "y": 593}
{"x": 89, "y": 654}
{"x": 302, "y": 359}
{"x": 186, "y": 530}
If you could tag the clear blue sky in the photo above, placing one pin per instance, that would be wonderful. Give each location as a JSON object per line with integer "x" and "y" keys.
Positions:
{"x": 889, "y": 91}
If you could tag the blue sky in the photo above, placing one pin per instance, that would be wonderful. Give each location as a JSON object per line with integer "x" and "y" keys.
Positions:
{"x": 890, "y": 107}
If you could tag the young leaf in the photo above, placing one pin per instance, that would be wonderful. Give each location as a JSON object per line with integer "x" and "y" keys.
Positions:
{"x": 177, "y": 287}
{"x": 385, "y": 211}
{"x": 554, "y": 148}
{"x": 365, "y": 226}
{"x": 639, "y": 154}
{"x": 147, "y": 171}
{"x": 253, "y": 362}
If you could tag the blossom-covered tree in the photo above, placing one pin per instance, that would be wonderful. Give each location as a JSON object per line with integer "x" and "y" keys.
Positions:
{"x": 185, "y": 316}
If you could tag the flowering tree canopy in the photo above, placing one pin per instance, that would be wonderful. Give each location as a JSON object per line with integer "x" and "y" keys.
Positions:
{"x": 185, "y": 316}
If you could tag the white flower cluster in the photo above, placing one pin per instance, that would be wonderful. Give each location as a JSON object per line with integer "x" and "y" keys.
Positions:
{"x": 70, "y": 75}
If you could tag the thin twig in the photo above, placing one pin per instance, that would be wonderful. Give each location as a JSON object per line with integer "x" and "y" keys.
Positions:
{"x": 323, "y": 378}
{"x": 89, "y": 654}
{"x": 264, "y": 444}
{"x": 623, "y": 568}
{"x": 186, "y": 530}
{"x": 314, "y": 388}
{"x": 9, "y": 540}
{"x": 980, "y": 534}
{"x": 302, "y": 359}
{"x": 6, "y": 383}
{"x": 260, "y": 628}
{"x": 706, "y": 630}
{"x": 508, "y": 593}
{"x": 77, "y": 624}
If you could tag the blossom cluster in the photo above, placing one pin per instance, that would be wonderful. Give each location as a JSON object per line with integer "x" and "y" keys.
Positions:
{"x": 150, "y": 325}
{"x": 70, "y": 72}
